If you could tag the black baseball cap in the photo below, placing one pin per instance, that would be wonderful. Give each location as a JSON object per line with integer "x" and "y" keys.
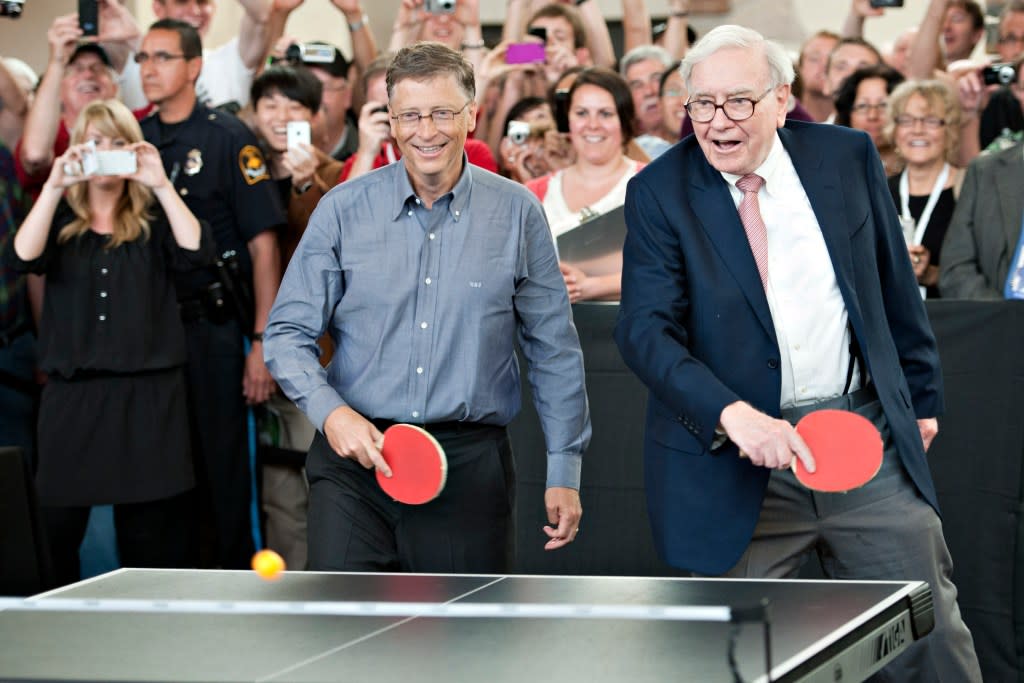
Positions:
{"x": 93, "y": 48}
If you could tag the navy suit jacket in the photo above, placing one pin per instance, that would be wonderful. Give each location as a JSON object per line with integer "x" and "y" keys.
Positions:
{"x": 695, "y": 326}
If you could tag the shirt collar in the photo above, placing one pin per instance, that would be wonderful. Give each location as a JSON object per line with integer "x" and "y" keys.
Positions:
{"x": 769, "y": 168}
{"x": 404, "y": 192}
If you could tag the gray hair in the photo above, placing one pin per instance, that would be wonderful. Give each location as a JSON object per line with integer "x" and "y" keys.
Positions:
{"x": 780, "y": 66}
{"x": 644, "y": 52}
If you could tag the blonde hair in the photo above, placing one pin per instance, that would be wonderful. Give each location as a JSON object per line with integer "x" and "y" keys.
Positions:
{"x": 131, "y": 215}
{"x": 942, "y": 102}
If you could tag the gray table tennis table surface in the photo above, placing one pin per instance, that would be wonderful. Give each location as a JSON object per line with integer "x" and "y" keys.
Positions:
{"x": 819, "y": 629}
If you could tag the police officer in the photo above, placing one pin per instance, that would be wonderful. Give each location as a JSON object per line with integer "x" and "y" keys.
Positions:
{"x": 214, "y": 162}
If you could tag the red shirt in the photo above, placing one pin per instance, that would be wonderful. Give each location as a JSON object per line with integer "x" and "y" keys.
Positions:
{"x": 478, "y": 153}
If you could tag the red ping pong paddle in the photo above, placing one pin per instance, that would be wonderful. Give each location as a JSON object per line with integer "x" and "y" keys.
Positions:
{"x": 418, "y": 465}
{"x": 847, "y": 450}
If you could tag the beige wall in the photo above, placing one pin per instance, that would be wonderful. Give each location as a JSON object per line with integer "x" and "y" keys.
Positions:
{"x": 787, "y": 20}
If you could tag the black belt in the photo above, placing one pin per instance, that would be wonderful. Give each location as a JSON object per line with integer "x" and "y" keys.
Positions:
{"x": 435, "y": 428}
{"x": 849, "y": 402}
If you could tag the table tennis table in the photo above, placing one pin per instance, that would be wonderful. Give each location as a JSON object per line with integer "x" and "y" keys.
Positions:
{"x": 199, "y": 625}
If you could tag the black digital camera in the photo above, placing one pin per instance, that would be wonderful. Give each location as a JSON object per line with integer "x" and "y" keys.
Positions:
{"x": 999, "y": 74}
{"x": 11, "y": 8}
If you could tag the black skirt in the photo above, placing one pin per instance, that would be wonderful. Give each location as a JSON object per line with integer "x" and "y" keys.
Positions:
{"x": 114, "y": 438}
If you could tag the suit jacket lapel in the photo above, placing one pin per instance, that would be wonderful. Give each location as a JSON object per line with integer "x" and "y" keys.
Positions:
{"x": 824, "y": 189}
{"x": 710, "y": 197}
{"x": 1009, "y": 181}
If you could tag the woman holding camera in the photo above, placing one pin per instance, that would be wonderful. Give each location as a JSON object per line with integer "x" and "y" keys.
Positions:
{"x": 601, "y": 119}
{"x": 924, "y": 129}
{"x": 113, "y": 426}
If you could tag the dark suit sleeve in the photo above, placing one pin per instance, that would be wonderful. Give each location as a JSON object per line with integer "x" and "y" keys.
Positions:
{"x": 650, "y": 330}
{"x": 960, "y": 275}
{"x": 904, "y": 309}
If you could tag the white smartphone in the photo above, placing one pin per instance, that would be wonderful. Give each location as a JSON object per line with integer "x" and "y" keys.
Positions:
{"x": 116, "y": 162}
{"x": 298, "y": 131}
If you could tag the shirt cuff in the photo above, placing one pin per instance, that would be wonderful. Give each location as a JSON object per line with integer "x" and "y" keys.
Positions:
{"x": 564, "y": 470}
{"x": 322, "y": 403}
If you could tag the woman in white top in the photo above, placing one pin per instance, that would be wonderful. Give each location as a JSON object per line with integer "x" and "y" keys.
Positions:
{"x": 600, "y": 126}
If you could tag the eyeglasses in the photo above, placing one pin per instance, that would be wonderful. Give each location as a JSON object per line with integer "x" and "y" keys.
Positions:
{"x": 734, "y": 108}
{"x": 639, "y": 83}
{"x": 929, "y": 122}
{"x": 1010, "y": 39}
{"x": 159, "y": 58}
{"x": 440, "y": 117}
{"x": 865, "y": 108}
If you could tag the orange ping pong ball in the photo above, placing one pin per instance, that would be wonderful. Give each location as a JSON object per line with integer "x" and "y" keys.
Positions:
{"x": 268, "y": 564}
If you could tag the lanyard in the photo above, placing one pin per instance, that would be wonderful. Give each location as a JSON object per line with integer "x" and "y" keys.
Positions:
{"x": 933, "y": 199}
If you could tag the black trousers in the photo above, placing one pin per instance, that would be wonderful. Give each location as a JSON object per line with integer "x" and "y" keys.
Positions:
{"x": 153, "y": 534}
{"x": 354, "y": 526}
{"x": 217, "y": 419}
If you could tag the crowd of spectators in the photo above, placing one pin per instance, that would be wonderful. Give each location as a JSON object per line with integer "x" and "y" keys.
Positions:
{"x": 558, "y": 109}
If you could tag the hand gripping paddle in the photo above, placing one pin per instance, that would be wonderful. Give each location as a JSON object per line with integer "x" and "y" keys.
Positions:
{"x": 419, "y": 468}
{"x": 847, "y": 450}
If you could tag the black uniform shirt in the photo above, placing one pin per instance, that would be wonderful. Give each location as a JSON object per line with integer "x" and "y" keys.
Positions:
{"x": 216, "y": 166}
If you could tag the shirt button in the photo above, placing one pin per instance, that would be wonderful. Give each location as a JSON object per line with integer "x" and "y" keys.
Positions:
{"x": 456, "y": 213}
{"x": 418, "y": 201}
{"x": 415, "y": 413}
{"x": 423, "y": 326}
{"x": 428, "y": 280}
{"x": 103, "y": 295}
{"x": 419, "y": 371}
{"x": 796, "y": 347}
{"x": 409, "y": 214}
{"x": 431, "y": 235}
{"x": 773, "y": 363}
{"x": 103, "y": 271}
{"x": 102, "y": 318}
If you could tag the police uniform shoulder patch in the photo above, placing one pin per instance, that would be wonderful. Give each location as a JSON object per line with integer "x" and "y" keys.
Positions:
{"x": 252, "y": 165}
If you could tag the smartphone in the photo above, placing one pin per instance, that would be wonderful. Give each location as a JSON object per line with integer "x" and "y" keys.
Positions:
{"x": 439, "y": 6}
{"x": 298, "y": 132}
{"x": 562, "y": 111}
{"x": 525, "y": 53}
{"x": 886, "y": 3}
{"x": 89, "y": 17}
{"x": 116, "y": 162}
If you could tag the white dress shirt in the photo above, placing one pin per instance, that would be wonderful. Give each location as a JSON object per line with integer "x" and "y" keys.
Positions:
{"x": 807, "y": 308}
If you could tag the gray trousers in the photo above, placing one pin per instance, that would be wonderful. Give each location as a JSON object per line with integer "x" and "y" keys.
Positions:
{"x": 882, "y": 531}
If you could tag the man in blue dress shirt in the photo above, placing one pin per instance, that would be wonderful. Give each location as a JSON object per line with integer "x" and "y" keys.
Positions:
{"x": 424, "y": 272}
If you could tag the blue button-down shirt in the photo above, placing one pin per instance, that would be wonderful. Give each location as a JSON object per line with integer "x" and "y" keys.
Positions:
{"x": 424, "y": 306}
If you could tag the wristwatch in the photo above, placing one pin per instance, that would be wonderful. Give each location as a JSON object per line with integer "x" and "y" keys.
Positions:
{"x": 358, "y": 23}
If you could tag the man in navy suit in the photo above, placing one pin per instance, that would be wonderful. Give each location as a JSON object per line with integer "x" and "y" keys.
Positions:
{"x": 765, "y": 276}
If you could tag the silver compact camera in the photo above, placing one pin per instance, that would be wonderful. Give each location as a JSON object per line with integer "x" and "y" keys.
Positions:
{"x": 310, "y": 53}
{"x": 439, "y": 6}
